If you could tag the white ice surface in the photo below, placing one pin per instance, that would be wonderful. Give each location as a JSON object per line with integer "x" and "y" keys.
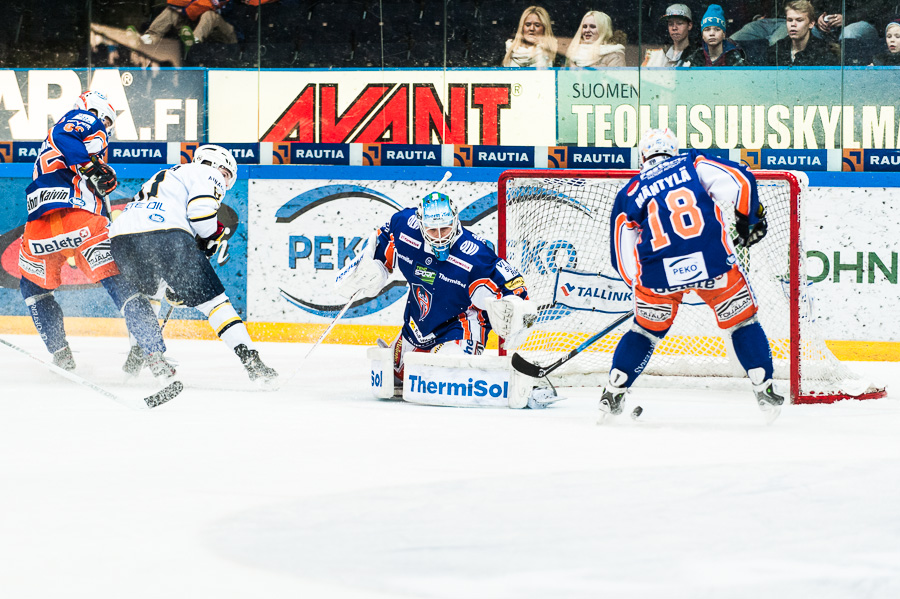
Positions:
{"x": 318, "y": 491}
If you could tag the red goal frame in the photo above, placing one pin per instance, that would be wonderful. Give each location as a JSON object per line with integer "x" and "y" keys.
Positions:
{"x": 794, "y": 267}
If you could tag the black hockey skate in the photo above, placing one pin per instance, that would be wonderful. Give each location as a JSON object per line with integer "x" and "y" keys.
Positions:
{"x": 64, "y": 359}
{"x": 611, "y": 404}
{"x": 769, "y": 401}
{"x": 134, "y": 362}
{"x": 256, "y": 370}
{"x": 160, "y": 368}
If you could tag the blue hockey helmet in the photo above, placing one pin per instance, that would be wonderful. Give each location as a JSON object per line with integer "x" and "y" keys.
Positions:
{"x": 439, "y": 221}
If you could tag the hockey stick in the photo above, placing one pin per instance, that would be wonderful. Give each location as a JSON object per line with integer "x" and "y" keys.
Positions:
{"x": 105, "y": 198}
{"x": 151, "y": 401}
{"x": 166, "y": 318}
{"x": 537, "y": 371}
{"x": 334, "y": 322}
{"x": 321, "y": 337}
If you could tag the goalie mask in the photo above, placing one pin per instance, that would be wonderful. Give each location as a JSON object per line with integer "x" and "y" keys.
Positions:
{"x": 656, "y": 146}
{"x": 218, "y": 157}
{"x": 439, "y": 221}
{"x": 96, "y": 101}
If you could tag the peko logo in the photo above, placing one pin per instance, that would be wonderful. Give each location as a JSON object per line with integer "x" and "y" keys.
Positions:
{"x": 315, "y": 225}
{"x": 316, "y": 233}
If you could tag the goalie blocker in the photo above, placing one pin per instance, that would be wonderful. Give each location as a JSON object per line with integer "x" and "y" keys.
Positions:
{"x": 457, "y": 381}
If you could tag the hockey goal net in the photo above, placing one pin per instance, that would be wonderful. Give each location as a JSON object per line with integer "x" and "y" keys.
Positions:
{"x": 554, "y": 226}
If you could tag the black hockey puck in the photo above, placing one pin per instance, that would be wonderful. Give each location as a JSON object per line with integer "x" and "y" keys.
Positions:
{"x": 636, "y": 412}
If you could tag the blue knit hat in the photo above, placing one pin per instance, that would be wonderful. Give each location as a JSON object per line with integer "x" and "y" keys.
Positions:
{"x": 714, "y": 17}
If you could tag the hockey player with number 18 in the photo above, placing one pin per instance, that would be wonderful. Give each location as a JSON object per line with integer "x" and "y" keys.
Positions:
{"x": 668, "y": 238}
{"x": 459, "y": 289}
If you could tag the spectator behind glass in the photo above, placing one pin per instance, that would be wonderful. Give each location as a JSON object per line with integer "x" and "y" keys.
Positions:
{"x": 892, "y": 39}
{"x": 680, "y": 23}
{"x": 716, "y": 50}
{"x": 196, "y": 21}
{"x": 834, "y": 13}
{"x": 800, "y": 48}
{"x": 596, "y": 44}
{"x": 534, "y": 44}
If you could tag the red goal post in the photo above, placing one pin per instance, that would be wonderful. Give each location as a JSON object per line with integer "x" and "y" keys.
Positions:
{"x": 553, "y": 225}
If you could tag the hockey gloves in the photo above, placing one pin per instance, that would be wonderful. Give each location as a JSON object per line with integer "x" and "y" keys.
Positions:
{"x": 209, "y": 245}
{"x": 363, "y": 273}
{"x": 746, "y": 237}
{"x": 100, "y": 177}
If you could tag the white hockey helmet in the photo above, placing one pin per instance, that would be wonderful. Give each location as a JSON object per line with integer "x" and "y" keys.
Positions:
{"x": 218, "y": 157}
{"x": 439, "y": 222}
{"x": 657, "y": 143}
{"x": 94, "y": 100}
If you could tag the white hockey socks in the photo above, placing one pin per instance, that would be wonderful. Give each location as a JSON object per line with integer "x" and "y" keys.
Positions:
{"x": 225, "y": 321}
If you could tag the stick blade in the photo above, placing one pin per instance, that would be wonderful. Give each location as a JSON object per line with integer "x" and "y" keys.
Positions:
{"x": 527, "y": 368}
{"x": 160, "y": 397}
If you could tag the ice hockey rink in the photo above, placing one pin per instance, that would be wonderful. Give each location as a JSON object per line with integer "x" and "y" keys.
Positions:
{"x": 317, "y": 490}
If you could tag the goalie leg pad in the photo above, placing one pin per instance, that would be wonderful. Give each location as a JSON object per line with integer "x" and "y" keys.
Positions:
{"x": 459, "y": 380}
{"x": 381, "y": 372}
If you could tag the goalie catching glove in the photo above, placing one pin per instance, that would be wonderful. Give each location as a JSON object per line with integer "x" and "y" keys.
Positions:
{"x": 746, "y": 237}
{"x": 364, "y": 273}
{"x": 100, "y": 177}
{"x": 511, "y": 314}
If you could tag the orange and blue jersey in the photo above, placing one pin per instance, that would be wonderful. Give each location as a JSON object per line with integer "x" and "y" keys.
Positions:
{"x": 56, "y": 180}
{"x": 447, "y": 299}
{"x": 667, "y": 232}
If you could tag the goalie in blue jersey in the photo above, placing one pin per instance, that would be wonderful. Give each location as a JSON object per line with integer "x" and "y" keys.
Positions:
{"x": 459, "y": 289}
{"x": 669, "y": 238}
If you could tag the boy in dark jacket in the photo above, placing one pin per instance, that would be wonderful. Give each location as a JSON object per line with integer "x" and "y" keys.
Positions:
{"x": 716, "y": 50}
{"x": 800, "y": 48}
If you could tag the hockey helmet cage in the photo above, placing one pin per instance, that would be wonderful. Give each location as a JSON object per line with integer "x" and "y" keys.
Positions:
{"x": 94, "y": 100}
{"x": 657, "y": 142}
{"x": 216, "y": 157}
{"x": 439, "y": 222}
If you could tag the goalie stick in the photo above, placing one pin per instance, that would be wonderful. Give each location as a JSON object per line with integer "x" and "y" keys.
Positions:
{"x": 323, "y": 335}
{"x": 537, "y": 371}
{"x": 151, "y": 401}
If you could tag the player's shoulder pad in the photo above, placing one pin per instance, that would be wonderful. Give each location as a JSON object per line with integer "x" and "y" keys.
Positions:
{"x": 405, "y": 219}
{"x": 87, "y": 120}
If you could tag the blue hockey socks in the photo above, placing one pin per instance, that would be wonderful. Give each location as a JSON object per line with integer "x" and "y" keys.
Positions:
{"x": 632, "y": 354}
{"x": 46, "y": 314}
{"x": 139, "y": 316}
{"x": 752, "y": 348}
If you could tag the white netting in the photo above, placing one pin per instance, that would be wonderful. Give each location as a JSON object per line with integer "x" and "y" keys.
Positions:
{"x": 554, "y": 221}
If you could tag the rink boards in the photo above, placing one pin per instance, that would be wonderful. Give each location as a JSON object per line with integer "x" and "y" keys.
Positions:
{"x": 295, "y": 226}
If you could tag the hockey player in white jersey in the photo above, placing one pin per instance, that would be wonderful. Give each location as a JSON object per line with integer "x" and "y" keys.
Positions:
{"x": 168, "y": 232}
